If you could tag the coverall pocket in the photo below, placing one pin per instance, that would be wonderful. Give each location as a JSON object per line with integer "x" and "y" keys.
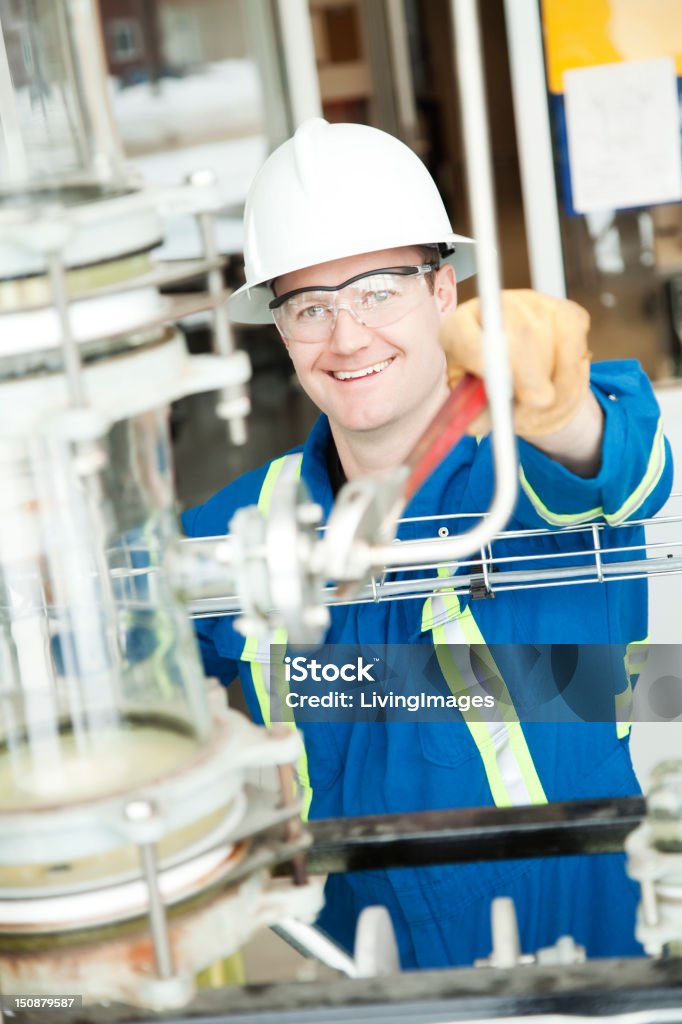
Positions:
{"x": 446, "y": 743}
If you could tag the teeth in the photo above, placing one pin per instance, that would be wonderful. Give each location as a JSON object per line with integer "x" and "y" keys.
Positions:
{"x": 352, "y": 374}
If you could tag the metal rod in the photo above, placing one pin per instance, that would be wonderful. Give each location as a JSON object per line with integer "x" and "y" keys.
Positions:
{"x": 311, "y": 942}
{"x": 72, "y": 359}
{"x": 472, "y": 834}
{"x": 496, "y": 581}
{"x": 469, "y": 64}
{"x": 223, "y": 338}
{"x": 144, "y": 812}
{"x": 293, "y": 827}
{"x": 597, "y": 553}
{"x": 157, "y": 913}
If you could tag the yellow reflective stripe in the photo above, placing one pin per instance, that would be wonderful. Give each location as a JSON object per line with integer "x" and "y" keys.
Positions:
{"x": 526, "y": 764}
{"x": 555, "y": 518}
{"x": 501, "y": 744}
{"x": 477, "y": 729}
{"x": 261, "y": 690}
{"x": 253, "y": 645}
{"x": 302, "y": 772}
{"x": 260, "y": 646}
{"x": 488, "y": 754}
{"x": 268, "y": 485}
{"x": 304, "y": 781}
{"x": 250, "y": 648}
{"x": 272, "y": 475}
{"x": 450, "y": 600}
{"x": 652, "y": 475}
{"x": 517, "y": 739}
{"x": 635, "y": 657}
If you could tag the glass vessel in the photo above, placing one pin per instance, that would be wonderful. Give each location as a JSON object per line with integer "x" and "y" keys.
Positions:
{"x": 57, "y": 131}
{"x": 101, "y": 689}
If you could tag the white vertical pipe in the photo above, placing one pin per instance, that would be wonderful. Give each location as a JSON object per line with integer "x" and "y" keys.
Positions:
{"x": 469, "y": 64}
{"x": 474, "y": 112}
{"x": 105, "y": 144}
{"x": 17, "y": 166}
{"x": 299, "y": 60}
{"x": 402, "y": 71}
{"x": 534, "y": 139}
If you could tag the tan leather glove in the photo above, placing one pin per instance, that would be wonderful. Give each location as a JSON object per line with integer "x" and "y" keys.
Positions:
{"x": 550, "y": 361}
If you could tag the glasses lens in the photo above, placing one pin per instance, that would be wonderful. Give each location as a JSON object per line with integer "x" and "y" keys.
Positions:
{"x": 308, "y": 316}
{"x": 376, "y": 300}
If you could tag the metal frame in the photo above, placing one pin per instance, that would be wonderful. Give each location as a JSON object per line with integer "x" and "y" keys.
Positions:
{"x": 467, "y": 835}
{"x": 487, "y": 573}
{"x": 628, "y": 991}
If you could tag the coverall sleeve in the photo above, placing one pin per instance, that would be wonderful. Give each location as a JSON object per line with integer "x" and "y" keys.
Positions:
{"x": 636, "y": 472}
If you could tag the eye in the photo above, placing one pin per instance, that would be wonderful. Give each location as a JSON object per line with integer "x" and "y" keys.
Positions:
{"x": 376, "y": 297}
{"x": 315, "y": 312}
{"x": 378, "y": 291}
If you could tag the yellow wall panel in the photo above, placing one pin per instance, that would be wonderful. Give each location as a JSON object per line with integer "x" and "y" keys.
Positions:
{"x": 582, "y": 33}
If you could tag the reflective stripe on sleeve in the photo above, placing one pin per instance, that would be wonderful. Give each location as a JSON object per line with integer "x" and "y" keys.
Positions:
{"x": 652, "y": 475}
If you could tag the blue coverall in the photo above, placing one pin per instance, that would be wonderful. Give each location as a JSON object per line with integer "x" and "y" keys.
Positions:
{"x": 441, "y": 913}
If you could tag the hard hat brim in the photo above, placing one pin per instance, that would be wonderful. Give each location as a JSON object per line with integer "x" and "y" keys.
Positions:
{"x": 250, "y": 304}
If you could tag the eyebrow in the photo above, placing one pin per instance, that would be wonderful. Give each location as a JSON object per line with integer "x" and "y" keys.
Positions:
{"x": 404, "y": 270}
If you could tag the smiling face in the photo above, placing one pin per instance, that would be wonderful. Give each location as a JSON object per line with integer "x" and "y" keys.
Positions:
{"x": 375, "y": 378}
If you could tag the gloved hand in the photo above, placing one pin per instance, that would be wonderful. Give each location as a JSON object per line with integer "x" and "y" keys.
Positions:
{"x": 550, "y": 361}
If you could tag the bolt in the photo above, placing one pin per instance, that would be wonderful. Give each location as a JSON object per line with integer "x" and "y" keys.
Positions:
{"x": 649, "y": 902}
{"x": 309, "y": 514}
{"x": 140, "y": 810}
{"x": 201, "y": 179}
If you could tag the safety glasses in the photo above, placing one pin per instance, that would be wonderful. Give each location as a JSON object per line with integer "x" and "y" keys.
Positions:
{"x": 376, "y": 298}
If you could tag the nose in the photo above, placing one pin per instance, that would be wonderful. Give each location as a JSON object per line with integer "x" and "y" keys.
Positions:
{"x": 349, "y": 334}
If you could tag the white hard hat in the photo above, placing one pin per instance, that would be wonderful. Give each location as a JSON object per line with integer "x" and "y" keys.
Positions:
{"x": 336, "y": 190}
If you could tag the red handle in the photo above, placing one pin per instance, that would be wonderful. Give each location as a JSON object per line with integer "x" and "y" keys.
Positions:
{"x": 448, "y": 426}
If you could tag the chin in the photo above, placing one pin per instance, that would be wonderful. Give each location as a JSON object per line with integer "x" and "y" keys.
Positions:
{"x": 363, "y": 424}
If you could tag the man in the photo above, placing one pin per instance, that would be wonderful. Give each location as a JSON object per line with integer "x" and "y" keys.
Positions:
{"x": 349, "y": 249}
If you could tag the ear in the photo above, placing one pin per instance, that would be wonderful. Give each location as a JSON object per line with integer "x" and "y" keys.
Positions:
{"x": 445, "y": 289}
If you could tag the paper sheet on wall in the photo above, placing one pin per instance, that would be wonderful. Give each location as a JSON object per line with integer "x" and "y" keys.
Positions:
{"x": 623, "y": 126}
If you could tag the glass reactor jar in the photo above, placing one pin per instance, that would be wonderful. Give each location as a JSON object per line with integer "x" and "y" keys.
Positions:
{"x": 101, "y": 688}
